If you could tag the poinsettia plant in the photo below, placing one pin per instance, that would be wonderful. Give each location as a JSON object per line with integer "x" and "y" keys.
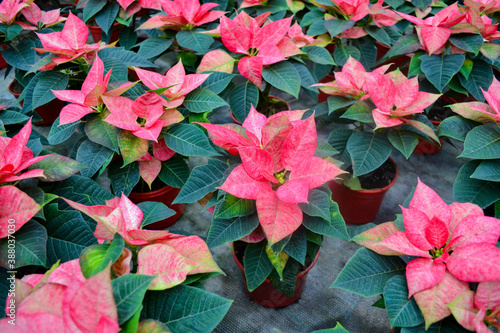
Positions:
{"x": 385, "y": 109}
{"x": 451, "y": 245}
{"x": 272, "y": 199}
{"x": 477, "y": 181}
{"x": 155, "y": 263}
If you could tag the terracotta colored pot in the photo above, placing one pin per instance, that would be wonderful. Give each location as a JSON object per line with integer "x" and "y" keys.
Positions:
{"x": 424, "y": 147}
{"x": 96, "y": 33}
{"x": 48, "y": 112}
{"x": 166, "y": 195}
{"x": 236, "y": 121}
{"x": 267, "y": 296}
{"x": 359, "y": 207}
{"x": 322, "y": 97}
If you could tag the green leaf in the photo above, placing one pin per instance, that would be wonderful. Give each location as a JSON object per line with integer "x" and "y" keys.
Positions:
{"x": 257, "y": 264}
{"x": 101, "y": 132}
{"x": 10, "y": 31}
{"x": 367, "y": 273}
{"x": 229, "y": 230}
{"x": 129, "y": 58}
{"x": 21, "y": 55}
{"x": 403, "y": 312}
{"x": 154, "y": 212}
{"x": 318, "y": 204}
{"x": 482, "y": 142}
{"x": 195, "y": 41}
{"x": 40, "y": 63}
{"x": 480, "y": 192}
{"x": 481, "y": 76}
{"x": 488, "y": 170}
{"x": 312, "y": 15}
{"x": 123, "y": 179}
{"x": 359, "y": 111}
{"x": 154, "y": 46}
{"x": 456, "y": 127}
{"x": 368, "y": 151}
{"x": 190, "y": 309}
{"x": 319, "y": 55}
{"x": 342, "y": 54}
{"x": 466, "y": 68}
{"x": 337, "y": 329}
{"x": 188, "y": 140}
{"x": 201, "y": 100}
{"x": 92, "y": 155}
{"x": 217, "y": 82}
{"x": 132, "y": 147}
{"x": 415, "y": 65}
{"x": 48, "y": 81}
{"x": 447, "y": 325}
{"x": 233, "y": 206}
{"x": 128, "y": 38}
{"x": 336, "y": 27}
{"x": 338, "y": 102}
{"x": 57, "y": 167}
{"x": 422, "y": 4}
{"x": 106, "y": 17}
{"x": 241, "y": 97}
{"x": 29, "y": 245}
{"x": 91, "y": 8}
{"x": 338, "y": 138}
{"x": 12, "y": 117}
{"x": 96, "y": 258}
{"x": 278, "y": 259}
{"x": 404, "y": 141}
{"x": 174, "y": 172}
{"x": 82, "y": 190}
{"x": 119, "y": 71}
{"x": 379, "y": 35}
{"x": 129, "y": 291}
{"x": 467, "y": 42}
{"x": 132, "y": 325}
{"x": 283, "y": 76}
{"x": 317, "y": 28}
{"x": 334, "y": 227}
{"x": 68, "y": 234}
{"x": 405, "y": 45}
{"x": 325, "y": 149}
{"x": 203, "y": 180}
{"x": 439, "y": 69}
{"x": 297, "y": 246}
{"x": 306, "y": 78}
{"x": 60, "y": 133}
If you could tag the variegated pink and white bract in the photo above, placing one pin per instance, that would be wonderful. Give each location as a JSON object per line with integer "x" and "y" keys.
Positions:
{"x": 475, "y": 310}
{"x": 9, "y": 10}
{"x": 455, "y": 244}
{"x": 278, "y": 167}
{"x": 15, "y": 157}
{"x": 169, "y": 257}
{"x": 94, "y": 88}
{"x": 183, "y": 14}
{"x": 482, "y": 112}
{"x": 40, "y": 18}
{"x": 176, "y": 79}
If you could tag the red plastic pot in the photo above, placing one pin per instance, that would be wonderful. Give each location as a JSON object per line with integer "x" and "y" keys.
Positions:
{"x": 359, "y": 207}
{"x": 267, "y": 296}
{"x": 322, "y": 97}
{"x": 48, "y": 112}
{"x": 166, "y": 195}
{"x": 424, "y": 147}
{"x": 96, "y": 33}
{"x": 236, "y": 121}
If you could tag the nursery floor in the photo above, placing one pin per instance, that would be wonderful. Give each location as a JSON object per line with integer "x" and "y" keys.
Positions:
{"x": 319, "y": 307}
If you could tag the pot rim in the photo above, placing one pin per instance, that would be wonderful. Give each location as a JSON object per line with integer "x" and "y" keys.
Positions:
{"x": 300, "y": 274}
{"x": 12, "y": 91}
{"x": 377, "y": 190}
{"x": 160, "y": 191}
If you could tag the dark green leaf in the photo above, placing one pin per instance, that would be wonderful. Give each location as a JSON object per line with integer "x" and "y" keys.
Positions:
{"x": 283, "y": 76}
{"x": 241, "y": 97}
{"x": 129, "y": 58}
{"x": 96, "y": 258}
{"x": 57, "y": 167}
{"x": 201, "y": 100}
{"x": 154, "y": 212}
{"x": 128, "y": 292}
{"x": 479, "y": 78}
{"x": 195, "y": 41}
{"x": 318, "y": 204}
{"x": 92, "y": 155}
{"x": 91, "y": 8}
{"x": 482, "y": 142}
{"x": 60, "y": 133}
{"x": 480, "y": 192}
{"x": 229, "y": 230}
{"x": 405, "y": 45}
{"x": 319, "y": 55}
{"x": 336, "y": 27}
{"x": 333, "y": 227}
{"x": 29, "y": 245}
{"x": 128, "y": 38}
{"x": 174, "y": 172}
{"x": 154, "y": 46}
{"x": 123, "y": 179}
{"x": 119, "y": 71}
{"x": 359, "y": 111}
{"x": 338, "y": 139}
{"x": 102, "y": 133}
{"x": 12, "y": 117}
{"x": 379, "y": 35}
{"x": 217, "y": 82}
{"x": 297, "y": 246}
{"x": 188, "y": 140}
{"x": 342, "y": 54}
{"x": 422, "y": 4}
{"x": 404, "y": 141}
{"x": 467, "y": 42}
{"x": 21, "y": 55}
{"x": 10, "y": 31}
{"x": 439, "y": 69}
{"x": 368, "y": 151}
{"x": 106, "y": 17}
{"x": 456, "y": 127}
{"x": 403, "y": 312}
{"x": 48, "y": 81}
{"x": 257, "y": 264}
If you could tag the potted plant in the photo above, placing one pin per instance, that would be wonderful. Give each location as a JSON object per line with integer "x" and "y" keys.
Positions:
{"x": 379, "y": 111}
{"x": 451, "y": 245}
{"x": 476, "y": 181}
{"x": 270, "y": 205}
{"x": 132, "y": 269}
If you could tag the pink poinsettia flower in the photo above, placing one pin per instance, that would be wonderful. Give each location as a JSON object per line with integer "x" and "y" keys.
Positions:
{"x": 475, "y": 310}
{"x": 65, "y": 302}
{"x": 176, "y": 79}
{"x": 94, "y": 88}
{"x": 262, "y": 44}
{"x": 350, "y": 81}
{"x": 455, "y": 244}
{"x": 69, "y": 44}
{"x": 434, "y": 31}
{"x": 251, "y": 3}
{"x": 482, "y": 112}
{"x": 9, "y": 10}
{"x": 396, "y": 97}
{"x": 169, "y": 257}
{"x": 278, "y": 167}
{"x": 40, "y": 18}
{"x": 183, "y": 14}
{"x": 148, "y": 108}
